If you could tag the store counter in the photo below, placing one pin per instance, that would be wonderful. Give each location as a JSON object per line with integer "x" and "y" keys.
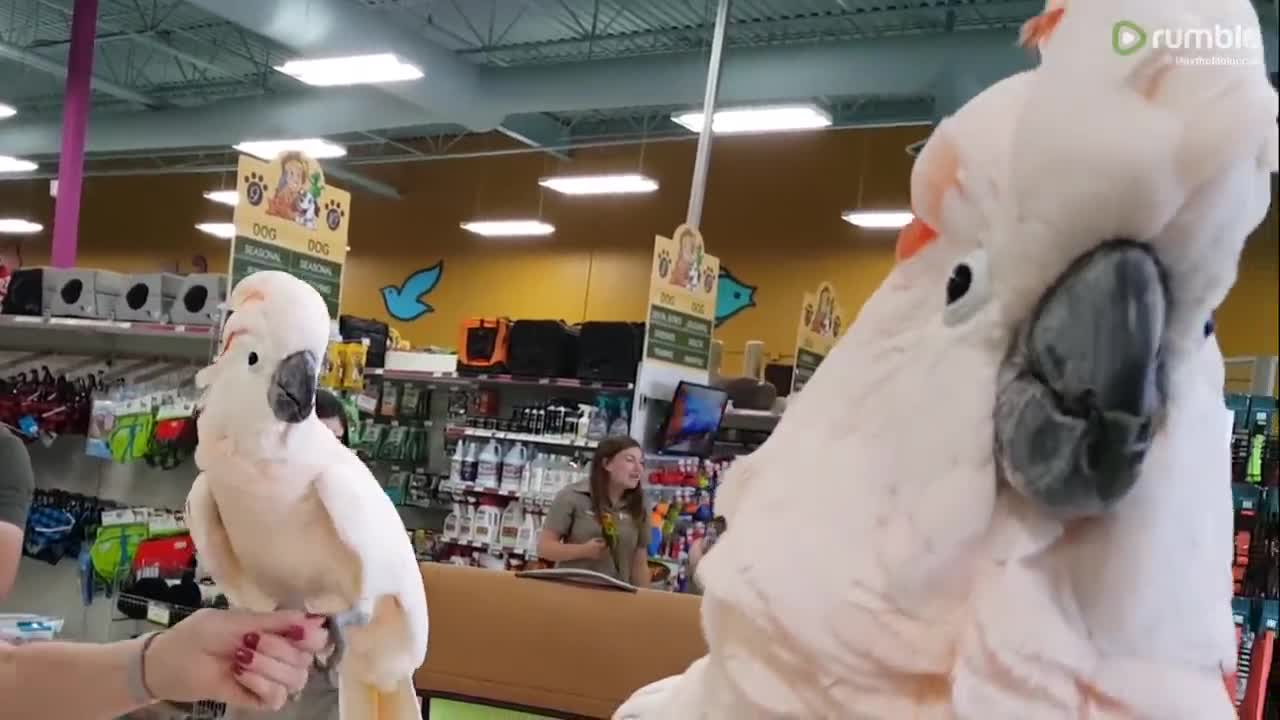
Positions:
{"x": 545, "y": 645}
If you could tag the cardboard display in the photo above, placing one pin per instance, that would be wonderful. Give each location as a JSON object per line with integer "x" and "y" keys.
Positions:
{"x": 560, "y": 648}
{"x": 822, "y": 320}
{"x": 682, "y": 301}
{"x": 289, "y": 219}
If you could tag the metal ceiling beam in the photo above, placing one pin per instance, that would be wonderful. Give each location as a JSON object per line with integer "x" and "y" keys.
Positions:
{"x": 482, "y": 98}
{"x": 52, "y": 67}
{"x": 450, "y": 91}
{"x": 221, "y": 124}
{"x": 327, "y": 28}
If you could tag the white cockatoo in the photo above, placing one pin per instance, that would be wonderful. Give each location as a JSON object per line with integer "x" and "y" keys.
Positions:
{"x": 284, "y": 516}
{"x": 1006, "y": 493}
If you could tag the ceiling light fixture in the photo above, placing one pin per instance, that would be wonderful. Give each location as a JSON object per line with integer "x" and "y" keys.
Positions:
{"x": 223, "y": 197}
{"x": 223, "y": 230}
{"x": 271, "y": 149}
{"x": 770, "y": 118}
{"x": 15, "y": 165}
{"x": 7, "y": 111}
{"x": 18, "y": 226}
{"x": 878, "y": 219}
{"x": 613, "y": 184}
{"x": 509, "y": 228}
{"x": 351, "y": 70}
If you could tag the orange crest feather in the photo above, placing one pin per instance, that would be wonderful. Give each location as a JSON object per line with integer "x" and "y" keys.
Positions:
{"x": 913, "y": 238}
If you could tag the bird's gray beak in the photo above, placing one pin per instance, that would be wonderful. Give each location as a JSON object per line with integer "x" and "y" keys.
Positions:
{"x": 1083, "y": 385}
{"x": 293, "y": 387}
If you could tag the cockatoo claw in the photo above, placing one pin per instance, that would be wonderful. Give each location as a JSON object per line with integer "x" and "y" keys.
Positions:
{"x": 337, "y": 624}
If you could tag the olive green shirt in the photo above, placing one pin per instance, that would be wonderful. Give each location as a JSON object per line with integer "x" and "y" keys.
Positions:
{"x": 573, "y": 520}
{"x": 17, "y": 483}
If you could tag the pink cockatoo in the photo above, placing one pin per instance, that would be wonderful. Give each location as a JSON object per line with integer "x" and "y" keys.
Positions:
{"x": 1006, "y": 493}
{"x": 284, "y": 516}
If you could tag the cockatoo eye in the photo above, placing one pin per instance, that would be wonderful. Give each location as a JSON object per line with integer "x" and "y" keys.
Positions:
{"x": 967, "y": 289}
{"x": 1209, "y": 326}
{"x": 253, "y": 359}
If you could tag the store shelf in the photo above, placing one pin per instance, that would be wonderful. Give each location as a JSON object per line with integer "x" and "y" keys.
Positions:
{"x": 476, "y": 379}
{"x": 74, "y": 336}
{"x": 529, "y": 438}
{"x": 490, "y": 547}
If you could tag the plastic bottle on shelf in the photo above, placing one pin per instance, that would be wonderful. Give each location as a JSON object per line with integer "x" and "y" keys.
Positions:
{"x": 598, "y": 427}
{"x": 621, "y": 424}
{"x": 470, "y": 463}
{"x": 513, "y": 468}
{"x": 457, "y": 462}
{"x": 527, "y": 539}
{"x": 487, "y": 521}
{"x": 453, "y": 522}
{"x": 466, "y": 521}
{"x": 537, "y": 477}
{"x": 509, "y": 528}
{"x": 584, "y": 423}
{"x": 489, "y": 465}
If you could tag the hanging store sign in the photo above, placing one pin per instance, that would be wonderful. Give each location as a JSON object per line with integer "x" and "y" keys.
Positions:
{"x": 682, "y": 301}
{"x": 288, "y": 219}
{"x": 821, "y": 322}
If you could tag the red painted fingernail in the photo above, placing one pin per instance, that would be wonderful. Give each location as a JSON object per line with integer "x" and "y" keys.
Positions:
{"x": 237, "y": 670}
{"x": 295, "y": 633}
{"x": 244, "y": 656}
{"x": 251, "y": 641}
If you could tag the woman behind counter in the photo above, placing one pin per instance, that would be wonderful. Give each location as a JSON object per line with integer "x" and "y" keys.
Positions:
{"x": 600, "y": 523}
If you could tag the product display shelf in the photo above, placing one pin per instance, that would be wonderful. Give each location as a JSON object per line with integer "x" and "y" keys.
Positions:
{"x": 456, "y": 432}
{"x": 496, "y": 379}
{"x": 105, "y": 337}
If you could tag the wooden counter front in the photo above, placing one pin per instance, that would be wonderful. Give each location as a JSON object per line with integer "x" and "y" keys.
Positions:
{"x": 560, "y": 647}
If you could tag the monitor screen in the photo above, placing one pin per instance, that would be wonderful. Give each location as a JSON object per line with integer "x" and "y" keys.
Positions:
{"x": 693, "y": 421}
{"x": 443, "y": 709}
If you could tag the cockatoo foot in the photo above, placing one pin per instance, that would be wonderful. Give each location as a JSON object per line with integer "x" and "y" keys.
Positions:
{"x": 337, "y": 624}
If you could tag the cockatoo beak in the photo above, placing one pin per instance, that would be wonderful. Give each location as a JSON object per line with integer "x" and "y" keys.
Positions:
{"x": 1082, "y": 386}
{"x": 292, "y": 393}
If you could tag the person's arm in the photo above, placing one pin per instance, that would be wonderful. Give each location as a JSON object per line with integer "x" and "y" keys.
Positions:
{"x": 551, "y": 545}
{"x": 59, "y": 680}
{"x": 247, "y": 660}
{"x": 640, "y": 568}
{"x": 640, "y": 576}
{"x": 17, "y": 484}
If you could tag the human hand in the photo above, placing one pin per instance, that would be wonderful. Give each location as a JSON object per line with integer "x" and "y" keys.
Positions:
{"x": 593, "y": 549}
{"x": 244, "y": 659}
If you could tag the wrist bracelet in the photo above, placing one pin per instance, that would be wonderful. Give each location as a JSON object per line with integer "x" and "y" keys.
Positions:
{"x": 139, "y": 691}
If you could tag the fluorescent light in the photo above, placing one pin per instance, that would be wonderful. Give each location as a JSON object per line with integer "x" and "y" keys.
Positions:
{"x": 878, "y": 219}
{"x": 351, "y": 70}
{"x": 508, "y": 228}
{"x": 223, "y": 197}
{"x": 772, "y": 118}
{"x": 18, "y": 226}
{"x": 15, "y": 165}
{"x": 7, "y": 111}
{"x": 617, "y": 184}
{"x": 271, "y": 149}
{"x": 226, "y": 231}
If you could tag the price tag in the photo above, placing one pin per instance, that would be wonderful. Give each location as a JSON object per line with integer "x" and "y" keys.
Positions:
{"x": 367, "y": 404}
{"x": 158, "y": 614}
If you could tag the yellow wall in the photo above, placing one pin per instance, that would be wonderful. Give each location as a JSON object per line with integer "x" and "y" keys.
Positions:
{"x": 772, "y": 216}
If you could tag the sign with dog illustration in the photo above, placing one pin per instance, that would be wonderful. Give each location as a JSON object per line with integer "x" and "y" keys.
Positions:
{"x": 682, "y": 301}
{"x": 288, "y": 218}
{"x": 821, "y": 322}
